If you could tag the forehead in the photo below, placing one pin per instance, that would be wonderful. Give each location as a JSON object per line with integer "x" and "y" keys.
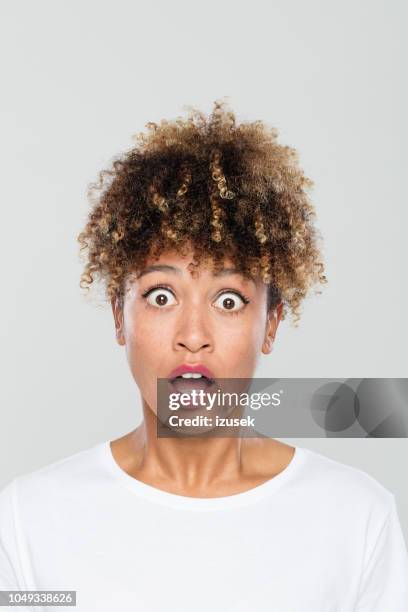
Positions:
{"x": 184, "y": 265}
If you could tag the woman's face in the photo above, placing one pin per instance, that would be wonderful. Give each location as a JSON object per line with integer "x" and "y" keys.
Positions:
{"x": 171, "y": 318}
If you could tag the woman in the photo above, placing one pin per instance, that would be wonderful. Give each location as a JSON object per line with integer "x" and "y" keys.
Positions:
{"x": 204, "y": 236}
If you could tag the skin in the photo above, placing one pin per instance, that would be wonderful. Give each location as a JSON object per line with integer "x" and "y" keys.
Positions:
{"x": 194, "y": 326}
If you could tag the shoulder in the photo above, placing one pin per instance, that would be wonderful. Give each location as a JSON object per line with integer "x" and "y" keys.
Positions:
{"x": 346, "y": 487}
{"x": 50, "y": 482}
{"x": 323, "y": 481}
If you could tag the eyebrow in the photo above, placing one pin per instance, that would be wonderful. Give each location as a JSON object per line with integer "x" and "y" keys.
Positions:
{"x": 176, "y": 270}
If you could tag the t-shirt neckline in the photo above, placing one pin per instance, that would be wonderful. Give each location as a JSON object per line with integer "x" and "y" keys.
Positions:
{"x": 174, "y": 500}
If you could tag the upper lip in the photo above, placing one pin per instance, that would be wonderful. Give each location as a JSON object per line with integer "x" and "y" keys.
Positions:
{"x": 185, "y": 367}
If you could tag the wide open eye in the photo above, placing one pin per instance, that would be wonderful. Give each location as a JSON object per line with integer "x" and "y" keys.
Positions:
{"x": 229, "y": 301}
{"x": 159, "y": 297}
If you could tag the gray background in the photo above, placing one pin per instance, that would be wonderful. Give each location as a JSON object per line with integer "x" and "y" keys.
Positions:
{"x": 79, "y": 78}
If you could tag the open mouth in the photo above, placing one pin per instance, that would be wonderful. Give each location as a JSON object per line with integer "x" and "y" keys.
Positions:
{"x": 190, "y": 382}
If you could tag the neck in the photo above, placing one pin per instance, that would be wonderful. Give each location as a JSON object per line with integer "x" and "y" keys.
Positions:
{"x": 190, "y": 462}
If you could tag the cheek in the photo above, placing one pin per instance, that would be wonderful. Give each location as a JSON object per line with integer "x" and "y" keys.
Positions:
{"x": 146, "y": 346}
{"x": 241, "y": 345}
{"x": 145, "y": 343}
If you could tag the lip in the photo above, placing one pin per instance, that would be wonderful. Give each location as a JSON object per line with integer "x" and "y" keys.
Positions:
{"x": 196, "y": 368}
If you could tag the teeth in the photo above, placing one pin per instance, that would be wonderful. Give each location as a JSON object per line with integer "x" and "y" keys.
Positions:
{"x": 192, "y": 375}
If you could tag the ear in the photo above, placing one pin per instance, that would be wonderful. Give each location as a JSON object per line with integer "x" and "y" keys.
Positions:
{"x": 271, "y": 327}
{"x": 118, "y": 320}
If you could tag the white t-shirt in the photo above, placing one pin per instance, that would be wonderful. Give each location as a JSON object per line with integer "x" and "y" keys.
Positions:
{"x": 321, "y": 536}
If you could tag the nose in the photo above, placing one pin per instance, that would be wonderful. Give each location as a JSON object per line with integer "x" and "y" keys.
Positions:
{"x": 192, "y": 330}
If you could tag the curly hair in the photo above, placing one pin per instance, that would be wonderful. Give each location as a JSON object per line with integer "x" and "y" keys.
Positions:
{"x": 226, "y": 190}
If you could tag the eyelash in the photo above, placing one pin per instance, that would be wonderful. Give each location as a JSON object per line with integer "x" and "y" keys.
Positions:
{"x": 243, "y": 297}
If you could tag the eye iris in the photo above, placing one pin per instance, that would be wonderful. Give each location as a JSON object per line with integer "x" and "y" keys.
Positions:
{"x": 161, "y": 299}
{"x": 228, "y": 303}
